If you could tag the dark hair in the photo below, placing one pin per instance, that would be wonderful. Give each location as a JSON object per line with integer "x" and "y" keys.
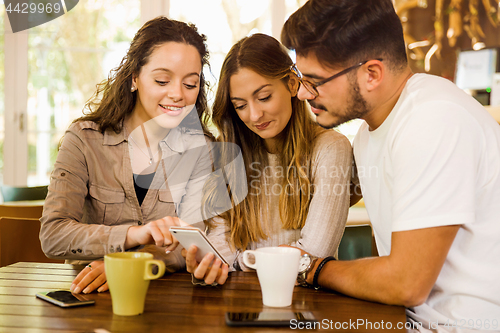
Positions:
{"x": 265, "y": 56}
{"x": 113, "y": 100}
{"x": 343, "y": 32}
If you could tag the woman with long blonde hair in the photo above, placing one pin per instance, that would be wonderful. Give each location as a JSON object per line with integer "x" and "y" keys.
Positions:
{"x": 297, "y": 173}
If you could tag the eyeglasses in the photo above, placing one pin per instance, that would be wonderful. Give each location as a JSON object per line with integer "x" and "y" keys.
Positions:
{"x": 311, "y": 87}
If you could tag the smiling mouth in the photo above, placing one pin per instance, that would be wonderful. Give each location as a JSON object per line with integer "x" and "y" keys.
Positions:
{"x": 263, "y": 125}
{"x": 172, "y": 110}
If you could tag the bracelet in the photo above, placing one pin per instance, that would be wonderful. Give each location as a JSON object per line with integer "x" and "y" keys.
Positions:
{"x": 318, "y": 270}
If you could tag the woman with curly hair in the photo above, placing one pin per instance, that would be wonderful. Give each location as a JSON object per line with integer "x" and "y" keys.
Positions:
{"x": 108, "y": 190}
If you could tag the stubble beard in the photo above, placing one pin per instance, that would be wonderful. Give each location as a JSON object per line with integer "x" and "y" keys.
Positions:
{"x": 357, "y": 107}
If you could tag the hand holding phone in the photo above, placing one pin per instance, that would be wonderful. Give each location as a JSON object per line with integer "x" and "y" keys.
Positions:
{"x": 188, "y": 236}
{"x": 64, "y": 298}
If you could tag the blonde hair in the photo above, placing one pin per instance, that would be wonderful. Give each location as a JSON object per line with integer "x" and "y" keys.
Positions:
{"x": 265, "y": 56}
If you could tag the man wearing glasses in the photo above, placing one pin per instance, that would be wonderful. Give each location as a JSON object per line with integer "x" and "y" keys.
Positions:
{"x": 428, "y": 161}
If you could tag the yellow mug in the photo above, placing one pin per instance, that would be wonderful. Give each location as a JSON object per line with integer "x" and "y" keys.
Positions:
{"x": 128, "y": 275}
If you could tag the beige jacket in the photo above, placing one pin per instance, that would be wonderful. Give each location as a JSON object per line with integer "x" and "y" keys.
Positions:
{"x": 92, "y": 202}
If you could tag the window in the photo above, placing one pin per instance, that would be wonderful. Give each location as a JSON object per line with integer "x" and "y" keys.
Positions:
{"x": 2, "y": 92}
{"x": 292, "y": 6}
{"x": 67, "y": 57}
{"x": 224, "y": 22}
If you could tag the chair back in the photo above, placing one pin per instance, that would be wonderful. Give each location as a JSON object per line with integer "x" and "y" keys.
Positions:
{"x": 21, "y": 211}
{"x": 11, "y": 193}
{"x": 356, "y": 242}
{"x": 19, "y": 241}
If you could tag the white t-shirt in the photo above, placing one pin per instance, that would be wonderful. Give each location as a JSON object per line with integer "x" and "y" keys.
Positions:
{"x": 435, "y": 161}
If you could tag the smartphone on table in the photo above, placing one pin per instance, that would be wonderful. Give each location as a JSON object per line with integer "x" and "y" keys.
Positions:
{"x": 191, "y": 236}
{"x": 64, "y": 298}
{"x": 270, "y": 318}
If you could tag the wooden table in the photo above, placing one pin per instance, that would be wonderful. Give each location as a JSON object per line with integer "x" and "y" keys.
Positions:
{"x": 173, "y": 304}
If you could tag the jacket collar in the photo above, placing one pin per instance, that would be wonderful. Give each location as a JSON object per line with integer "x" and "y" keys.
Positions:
{"x": 174, "y": 140}
{"x": 111, "y": 138}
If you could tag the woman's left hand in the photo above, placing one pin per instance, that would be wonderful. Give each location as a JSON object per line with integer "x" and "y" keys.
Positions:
{"x": 90, "y": 278}
{"x": 210, "y": 269}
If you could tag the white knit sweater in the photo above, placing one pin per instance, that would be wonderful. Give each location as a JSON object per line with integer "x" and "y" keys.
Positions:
{"x": 325, "y": 223}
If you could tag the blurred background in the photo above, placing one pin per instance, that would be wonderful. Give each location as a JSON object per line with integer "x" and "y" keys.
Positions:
{"x": 48, "y": 72}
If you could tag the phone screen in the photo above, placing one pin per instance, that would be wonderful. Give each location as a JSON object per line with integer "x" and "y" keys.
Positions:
{"x": 64, "y": 298}
{"x": 268, "y": 318}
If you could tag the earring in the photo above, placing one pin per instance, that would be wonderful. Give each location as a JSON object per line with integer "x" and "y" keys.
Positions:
{"x": 133, "y": 89}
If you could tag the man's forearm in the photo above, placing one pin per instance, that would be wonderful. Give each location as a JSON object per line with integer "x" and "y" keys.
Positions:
{"x": 370, "y": 279}
{"x": 405, "y": 277}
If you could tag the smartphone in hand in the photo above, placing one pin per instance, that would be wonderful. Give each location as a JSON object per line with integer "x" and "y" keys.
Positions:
{"x": 191, "y": 236}
{"x": 64, "y": 298}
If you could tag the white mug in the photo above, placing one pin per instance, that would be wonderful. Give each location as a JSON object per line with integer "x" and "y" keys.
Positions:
{"x": 277, "y": 269}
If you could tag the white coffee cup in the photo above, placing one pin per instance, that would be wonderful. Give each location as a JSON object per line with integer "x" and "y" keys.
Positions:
{"x": 277, "y": 269}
